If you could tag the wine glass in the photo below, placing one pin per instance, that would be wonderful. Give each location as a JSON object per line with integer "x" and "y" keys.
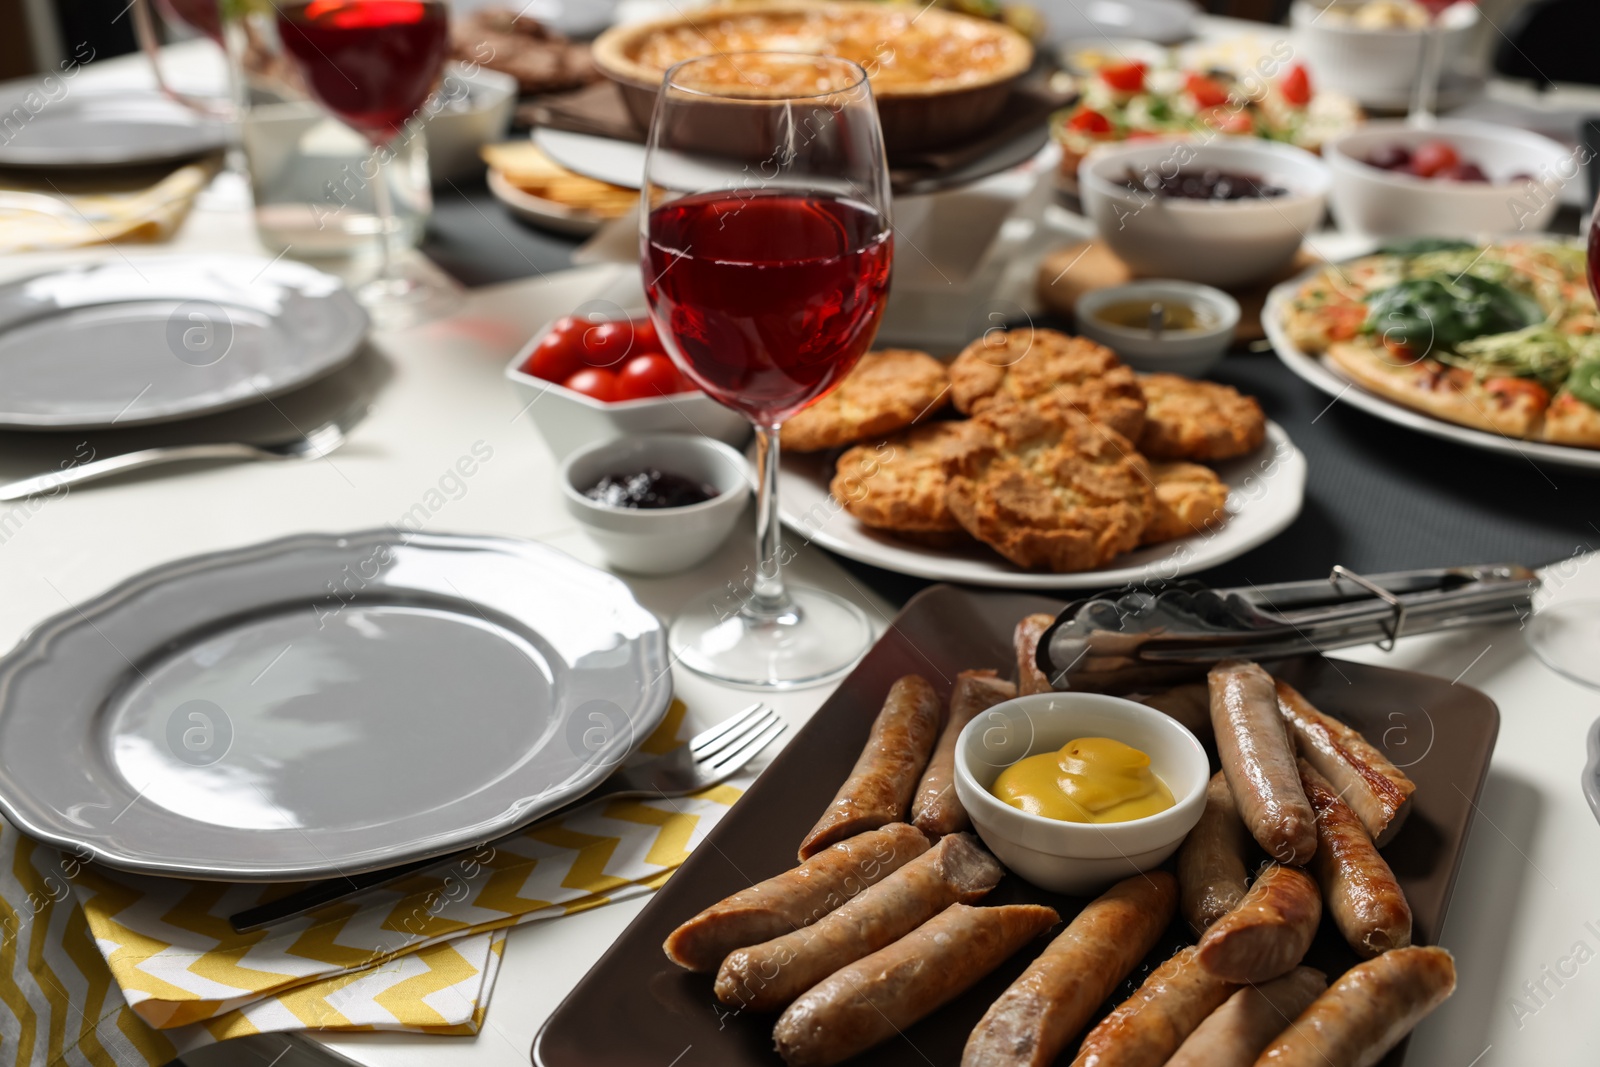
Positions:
{"x": 373, "y": 63}
{"x": 766, "y": 244}
{"x": 201, "y": 16}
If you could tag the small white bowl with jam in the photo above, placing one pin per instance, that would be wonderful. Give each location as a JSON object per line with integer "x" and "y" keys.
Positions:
{"x": 1161, "y": 326}
{"x": 1075, "y": 791}
{"x": 656, "y": 503}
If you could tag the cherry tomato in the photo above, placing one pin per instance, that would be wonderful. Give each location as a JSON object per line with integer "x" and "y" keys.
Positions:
{"x": 645, "y": 338}
{"x": 1296, "y": 86}
{"x": 594, "y": 382}
{"x": 606, "y": 344}
{"x": 1464, "y": 172}
{"x": 1431, "y": 157}
{"x": 1088, "y": 120}
{"x": 1206, "y": 92}
{"x": 555, "y": 358}
{"x": 1124, "y": 77}
{"x": 648, "y": 376}
{"x": 1229, "y": 120}
{"x": 1507, "y": 390}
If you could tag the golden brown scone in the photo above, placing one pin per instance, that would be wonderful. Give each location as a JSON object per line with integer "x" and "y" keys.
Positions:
{"x": 1049, "y": 489}
{"x": 1190, "y": 499}
{"x": 899, "y": 484}
{"x": 1026, "y": 363}
{"x": 1189, "y": 419}
{"x": 887, "y": 391}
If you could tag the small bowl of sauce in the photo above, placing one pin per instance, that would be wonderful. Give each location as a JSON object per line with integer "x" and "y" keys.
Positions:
{"x": 1155, "y": 326}
{"x": 1075, "y": 791}
{"x": 656, "y": 503}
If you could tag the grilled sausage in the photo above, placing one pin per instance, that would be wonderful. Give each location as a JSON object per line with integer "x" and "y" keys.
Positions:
{"x": 795, "y": 898}
{"x": 1376, "y": 790}
{"x": 1213, "y": 872}
{"x": 1258, "y": 758}
{"x": 1365, "y": 1013}
{"x": 1190, "y": 704}
{"x": 935, "y": 808}
{"x": 1270, "y": 930}
{"x": 1147, "y": 1028}
{"x": 767, "y": 976}
{"x": 877, "y": 997}
{"x": 1061, "y": 990}
{"x": 1030, "y": 679}
{"x": 881, "y": 783}
{"x": 1235, "y": 1034}
{"x": 1360, "y": 891}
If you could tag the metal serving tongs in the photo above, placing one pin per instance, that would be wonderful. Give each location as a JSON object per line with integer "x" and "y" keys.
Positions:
{"x": 1164, "y": 632}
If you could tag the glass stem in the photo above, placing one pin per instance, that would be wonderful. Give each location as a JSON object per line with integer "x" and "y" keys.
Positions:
{"x": 383, "y": 208}
{"x": 768, "y": 599}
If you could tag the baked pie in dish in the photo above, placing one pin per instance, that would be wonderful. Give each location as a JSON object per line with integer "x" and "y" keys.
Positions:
{"x": 939, "y": 77}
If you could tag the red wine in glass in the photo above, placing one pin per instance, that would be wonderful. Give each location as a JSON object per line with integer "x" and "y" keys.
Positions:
{"x": 199, "y": 15}
{"x": 767, "y": 299}
{"x": 370, "y": 62}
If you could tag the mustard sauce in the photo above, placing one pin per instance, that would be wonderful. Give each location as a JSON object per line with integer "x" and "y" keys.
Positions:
{"x": 1092, "y": 779}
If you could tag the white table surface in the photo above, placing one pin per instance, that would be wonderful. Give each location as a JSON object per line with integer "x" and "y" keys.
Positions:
{"x": 1523, "y": 914}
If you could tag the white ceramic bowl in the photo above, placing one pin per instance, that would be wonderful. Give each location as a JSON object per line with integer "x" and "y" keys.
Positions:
{"x": 658, "y": 540}
{"x": 1077, "y": 858}
{"x": 1186, "y": 352}
{"x": 478, "y": 113}
{"x": 1221, "y": 243}
{"x": 569, "y": 420}
{"x": 1375, "y": 67}
{"x": 1382, "y": 203}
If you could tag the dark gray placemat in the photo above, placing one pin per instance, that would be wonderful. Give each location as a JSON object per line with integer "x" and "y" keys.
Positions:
{"x": 1378, "y": 498}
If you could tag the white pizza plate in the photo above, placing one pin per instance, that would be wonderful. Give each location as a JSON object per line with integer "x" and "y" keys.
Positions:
{"x": 1266, "y": 489}
{"x": 1328, "y": 379}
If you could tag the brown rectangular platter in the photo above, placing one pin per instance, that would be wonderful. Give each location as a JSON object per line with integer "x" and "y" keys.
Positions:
{"x": 635, "y": 1009}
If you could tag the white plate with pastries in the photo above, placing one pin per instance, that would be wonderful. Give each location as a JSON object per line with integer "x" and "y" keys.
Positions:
{"x": 1266, "y": 489}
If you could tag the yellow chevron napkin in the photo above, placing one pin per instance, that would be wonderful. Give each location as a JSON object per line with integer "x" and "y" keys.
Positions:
{"x": 69, "y": 213}
{"x": 121, "y": 969}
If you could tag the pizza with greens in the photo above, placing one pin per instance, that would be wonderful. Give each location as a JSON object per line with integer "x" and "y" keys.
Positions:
{"x": 1501, "y": 337}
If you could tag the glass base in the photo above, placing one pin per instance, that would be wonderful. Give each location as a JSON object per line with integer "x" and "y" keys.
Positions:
{"x": 407, "y": 300}
{"x": 1567, "y": 638}
{"x": 819, "y": 639}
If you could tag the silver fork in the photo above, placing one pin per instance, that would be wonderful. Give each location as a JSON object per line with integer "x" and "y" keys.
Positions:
{"x": 313, "y": 445}
{"x": 711, "y": 756}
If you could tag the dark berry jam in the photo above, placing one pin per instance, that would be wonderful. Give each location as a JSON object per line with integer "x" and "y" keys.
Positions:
{"x": 649, "y": 489}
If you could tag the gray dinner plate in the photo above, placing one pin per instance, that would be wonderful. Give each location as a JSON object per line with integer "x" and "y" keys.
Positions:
{"x": 154, "y": 338}
{"x": 323, "y": 705}
{"x": 58, "y": 125}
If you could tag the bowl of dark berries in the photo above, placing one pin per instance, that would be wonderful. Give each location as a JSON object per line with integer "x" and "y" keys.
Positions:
{"x": 656, "y": 503}
{"x": 1453, "y": 179}
{"x": 1229, "y": 211}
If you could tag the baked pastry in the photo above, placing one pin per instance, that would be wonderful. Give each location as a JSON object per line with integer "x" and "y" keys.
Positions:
{"x": 1196, "y": 420}
{"x": 898, "y": 484}
{"x": 1020, "y": 365}
{"x": 887, "y": 391}
{"x": 937, "y": 77}
{"x": 1048, "y": 488}
{"x": 1190, "y": 499}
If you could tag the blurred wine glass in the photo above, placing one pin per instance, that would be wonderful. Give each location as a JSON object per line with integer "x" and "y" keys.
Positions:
{"x": 372, "y": 64}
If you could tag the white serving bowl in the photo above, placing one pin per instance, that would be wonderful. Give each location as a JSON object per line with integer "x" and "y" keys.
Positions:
{"x": 1374, "y": 67}
{"x": 1382, "y": 203}
{"x": 1221, "y": 243}
{"x": 478, "y": 113}
{"x": 568, "y": 420}
{"x": 658, "y": 540}
{"x": 1187, "y": 352}
{"x": 1077, "y": 858}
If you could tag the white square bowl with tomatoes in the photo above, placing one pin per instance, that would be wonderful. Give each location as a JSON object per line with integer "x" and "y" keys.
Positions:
{"x": 584, "y": 379}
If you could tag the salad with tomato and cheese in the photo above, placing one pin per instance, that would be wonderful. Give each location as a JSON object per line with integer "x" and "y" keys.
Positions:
{"x": 1128, "y": 100}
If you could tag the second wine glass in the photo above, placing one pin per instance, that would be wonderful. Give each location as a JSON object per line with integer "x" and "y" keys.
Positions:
{"x": 766, "y": 249}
